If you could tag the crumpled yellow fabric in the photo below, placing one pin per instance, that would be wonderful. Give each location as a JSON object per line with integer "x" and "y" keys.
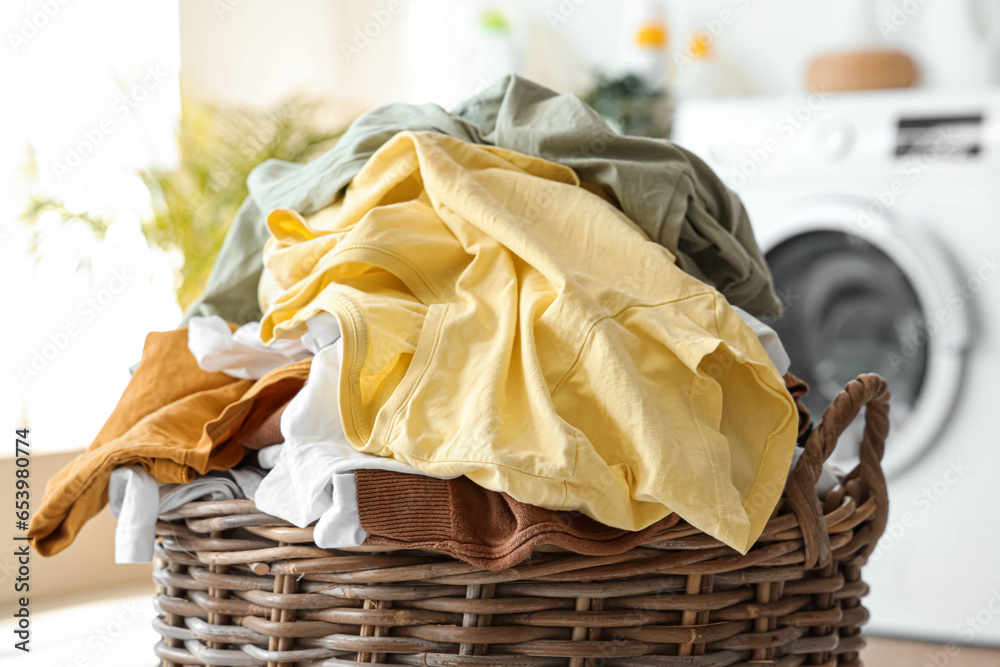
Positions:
{"x": 503, "y": 323}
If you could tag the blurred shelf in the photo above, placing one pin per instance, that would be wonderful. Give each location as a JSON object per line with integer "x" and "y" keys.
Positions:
{"x": 897, "y": 653}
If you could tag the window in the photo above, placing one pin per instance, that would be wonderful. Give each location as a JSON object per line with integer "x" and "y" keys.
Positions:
{"x": 92, "y": 95}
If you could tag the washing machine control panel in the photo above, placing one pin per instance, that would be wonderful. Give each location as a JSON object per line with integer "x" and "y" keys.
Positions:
{"x": 954, "y": 136}
{"x": 834, "y": 138}
{"x": 757, "y": 141}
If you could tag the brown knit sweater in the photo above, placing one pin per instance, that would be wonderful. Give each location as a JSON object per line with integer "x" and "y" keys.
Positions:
{"x": 486, "y": 528}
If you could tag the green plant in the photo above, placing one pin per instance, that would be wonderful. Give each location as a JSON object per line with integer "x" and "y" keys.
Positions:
{"x": 194, "y": 201}
{"x": 631, "y": 105}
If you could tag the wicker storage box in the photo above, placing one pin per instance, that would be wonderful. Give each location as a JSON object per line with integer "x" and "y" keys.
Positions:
{"x": 238, "y": 587}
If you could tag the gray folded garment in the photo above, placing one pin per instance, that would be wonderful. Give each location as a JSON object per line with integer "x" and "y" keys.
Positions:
{"x": 667, "y": 191}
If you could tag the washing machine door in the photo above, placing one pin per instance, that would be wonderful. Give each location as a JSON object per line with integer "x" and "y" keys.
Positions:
{"x": 862, "y": 294}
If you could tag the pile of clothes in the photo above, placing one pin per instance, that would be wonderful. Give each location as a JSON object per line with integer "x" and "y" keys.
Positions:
{"x": 474, "y": 332}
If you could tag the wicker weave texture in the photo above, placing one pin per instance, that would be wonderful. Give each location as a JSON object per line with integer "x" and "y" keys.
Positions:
{"x": 238, "y": 587}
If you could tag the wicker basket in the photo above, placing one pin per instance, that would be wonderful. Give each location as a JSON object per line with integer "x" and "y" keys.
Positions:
{"x": 238, "y": 587}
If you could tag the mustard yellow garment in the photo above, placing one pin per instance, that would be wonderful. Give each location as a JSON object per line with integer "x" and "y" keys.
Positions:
{"x": 503, "y": 323}
{"x": 175, "y": 420}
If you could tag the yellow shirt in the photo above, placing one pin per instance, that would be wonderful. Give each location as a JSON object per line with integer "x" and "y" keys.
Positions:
{"x": 503, "y": 323}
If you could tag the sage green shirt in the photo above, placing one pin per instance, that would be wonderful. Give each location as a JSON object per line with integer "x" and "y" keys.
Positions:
{"x": 667, "y": 191}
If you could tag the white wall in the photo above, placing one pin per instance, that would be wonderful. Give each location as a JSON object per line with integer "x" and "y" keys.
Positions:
{"x": 93, "y": 95}
{"x": 366, "y": 52}
{"x": 767, "y": 44}
{"x": 257, "y": 52}
{"x": 427, "y": 50}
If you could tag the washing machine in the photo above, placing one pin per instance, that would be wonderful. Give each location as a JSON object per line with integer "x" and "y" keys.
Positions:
{"x": 879, "y": 215}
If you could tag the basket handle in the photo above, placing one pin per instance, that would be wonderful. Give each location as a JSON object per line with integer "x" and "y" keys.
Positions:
{"x": 867, "y": 390}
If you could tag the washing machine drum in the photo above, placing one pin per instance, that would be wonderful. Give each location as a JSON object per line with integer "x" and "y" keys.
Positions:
{"x": 848, "y": 309}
